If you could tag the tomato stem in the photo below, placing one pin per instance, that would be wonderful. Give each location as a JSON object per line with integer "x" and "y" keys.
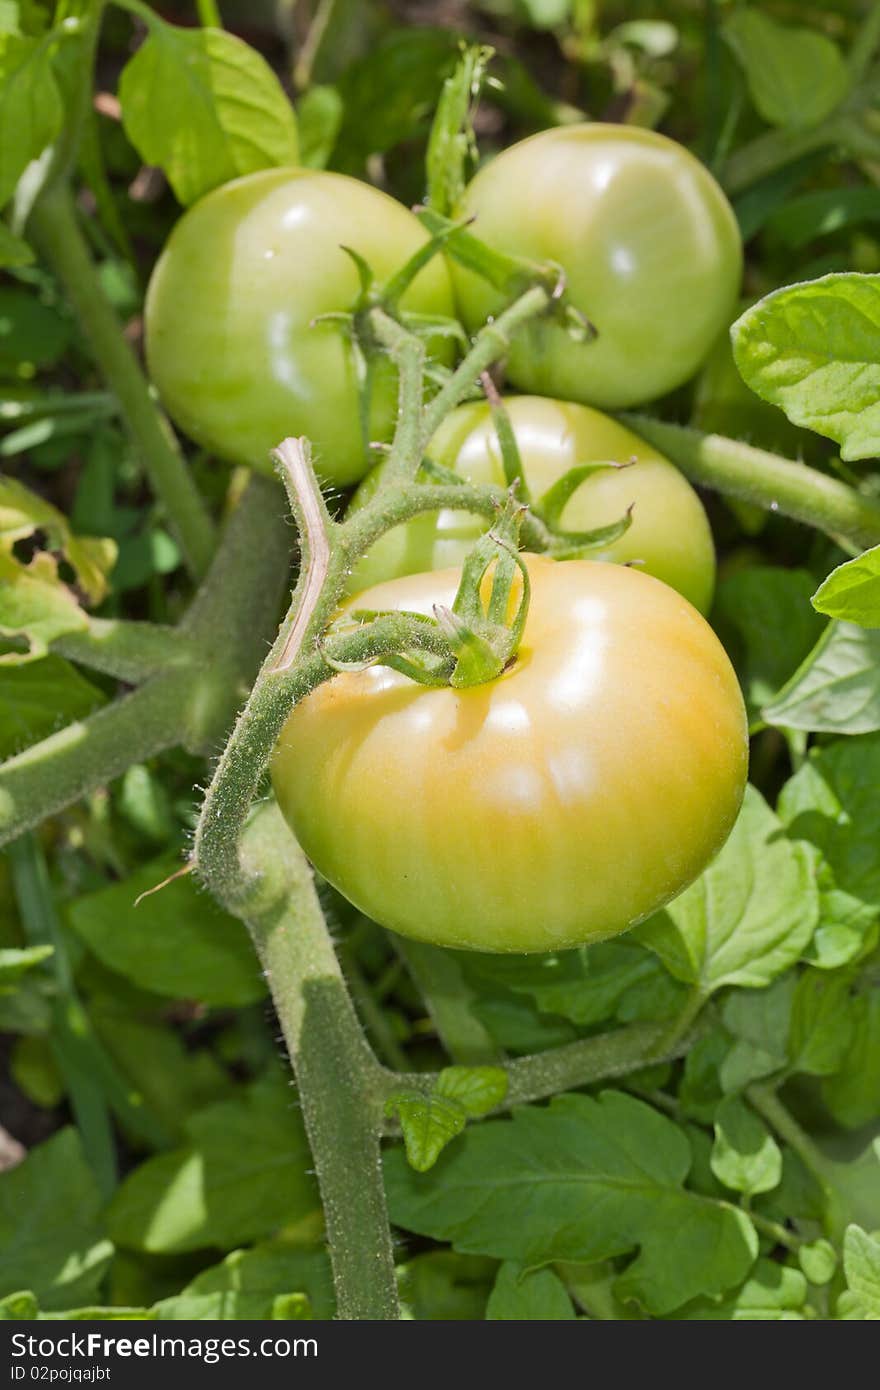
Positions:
{"x": 55, "y": 231}
{"x": 772, "y": 482}
{"x": 340, "y": 1083}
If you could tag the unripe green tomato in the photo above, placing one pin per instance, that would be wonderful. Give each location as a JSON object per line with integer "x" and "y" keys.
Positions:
{"x": 230, "y": 306}
{"x": 650, "y": 249}
{"x": 556, "y": 805}
{"x": 669, "y": 536}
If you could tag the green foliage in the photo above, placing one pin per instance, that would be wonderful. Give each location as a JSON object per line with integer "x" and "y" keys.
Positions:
{"x": 748, "y": 917}
{"x": 51, "y": 1233}
{"x": 176, "y": 941}
{"x": 581, "y": 1180}
{"x": 814, "y": 350}
{"x": 796, "y": 77}
{"x": 725, "y": 1170}
{"x": 852, "y": 591}
{"x": 205, "y": 107}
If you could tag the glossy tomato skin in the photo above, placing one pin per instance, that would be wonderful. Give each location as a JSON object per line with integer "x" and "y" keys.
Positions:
{"x": 230, "y": 304}
{"x": 649, "y": 245}
{"x": 669, "y": 537}
{"x": 555, "y": 806}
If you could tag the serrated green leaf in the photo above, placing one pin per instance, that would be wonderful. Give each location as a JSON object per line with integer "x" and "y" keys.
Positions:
{"x": 30, "y": 105}
{"x": 745, "y": 1156}
{"x": 861, "y": 1264}
{"x": 205, "y": 107}
{"x": 521, "y": 1295}
{"x": 582, "y": 1180}
{"x": 833, "y": 803}
{"x": 476, "y": 1089}
{"x": 51, "y": 1236}
{"x": 749, "y": 915}
{"x": 852, "y": 591}
{"x": 837, "y": 689}
{"x": 35, "y": 605}
{"x": 796, "y": 76}
{"x": 814, "y": 350}
{"x": 177, "y": 941}
{"x": 428, "y": 1123}
{"x": 243, "y": 1174}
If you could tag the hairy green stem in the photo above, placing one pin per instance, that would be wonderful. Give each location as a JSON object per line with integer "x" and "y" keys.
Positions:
{"x": 190, "y": 700}
{"x": 775, "y": 483}
{"x": 490, "y": 343}
{"x": 340, "y": 1084}
{"x": 130, "y": 651}
{"x": 54, "y": 228}
{"x": 583, "y": 1063}
{"x": 89, "y": 753}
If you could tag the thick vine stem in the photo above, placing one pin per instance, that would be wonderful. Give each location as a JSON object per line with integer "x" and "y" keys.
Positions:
{"x": 194, "y": 676}
{"x": 328, "y": 551}
{"x": 54, "y": 229}
{"x": 130, "y": 651}
{"x": 340, "y": 1084}
{"x": 85, "y": 755}
{"x": 774, "y": 483}
{"x": 569, "y": 1066}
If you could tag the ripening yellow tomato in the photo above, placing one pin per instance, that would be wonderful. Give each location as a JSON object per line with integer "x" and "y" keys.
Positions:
{"x": 556, "y": 805}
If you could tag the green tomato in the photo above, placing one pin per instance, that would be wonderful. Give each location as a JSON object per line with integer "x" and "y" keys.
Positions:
{"x": 649, "y": 246}
{"x": 669, "y": 536}
{"x": 557, "y": 805}
{"x": 229, "y": 310}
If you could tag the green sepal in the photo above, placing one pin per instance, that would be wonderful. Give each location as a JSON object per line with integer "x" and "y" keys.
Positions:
{"x": 554, "y": 501}
{"x": 579, "y": 545}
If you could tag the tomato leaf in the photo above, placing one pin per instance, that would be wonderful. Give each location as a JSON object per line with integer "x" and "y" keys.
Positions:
{"x": 246, "y": 1285}
{"x": 30, "y": 105}
{"x": 51, "y": 1237}
{"x": 205, "y": 107}
{"x": 745, "y": 1156}
{"x": 520, "y": 1295}
{"x": 476, "y": 1089}
{"x": 13, "y": 251}
{"x": 176, "y": 942}
{"x": 861, "y": 1264}
{"x": 760, "y": 1023}
{"x": 796, "y": 77}
{"x": 851, "y": 1095}
{"x": 772, "y": 1293}
{"x": 837, "y": 688}
{"x": 852, "y": 591}
{"x": 244, "y": 1172}
{"x": 814, "y": 350}
{"x": 749, "y": 915}
{"x": 822, "y": 1024}
{"x": 40, "y": 696}
{"x": 580, "y": 1179}
{"x": 833, "y": 804}
{"x": 770, "y": 609}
